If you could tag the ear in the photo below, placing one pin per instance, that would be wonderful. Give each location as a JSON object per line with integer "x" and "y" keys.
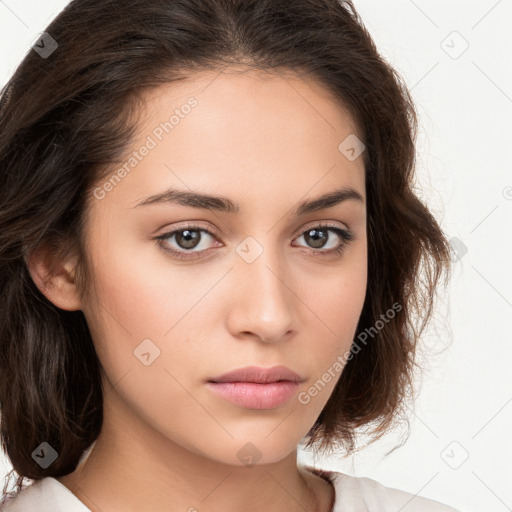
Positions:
{"x": 55, "y": 277}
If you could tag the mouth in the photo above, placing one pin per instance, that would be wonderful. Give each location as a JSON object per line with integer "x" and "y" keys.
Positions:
{"x": 255, "y": 374}
{"x": 255, "y": 395}
{"x": 255, "y": 387}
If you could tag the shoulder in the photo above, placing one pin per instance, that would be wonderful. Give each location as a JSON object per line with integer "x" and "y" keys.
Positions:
{"x": 367, "y": 495}
{"x": 45, "y": 495}
{"x": 374, "y": 494}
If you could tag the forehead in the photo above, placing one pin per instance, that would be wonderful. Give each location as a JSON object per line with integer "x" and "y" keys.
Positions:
{"x": 254, "y": 89}
{"x": 234, "y": 131}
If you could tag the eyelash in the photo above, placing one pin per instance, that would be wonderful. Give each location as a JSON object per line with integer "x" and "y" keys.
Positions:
{"x": 345, "y": 234}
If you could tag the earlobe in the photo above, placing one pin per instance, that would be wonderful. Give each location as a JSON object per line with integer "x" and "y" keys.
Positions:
{"x": 55, "y": 279}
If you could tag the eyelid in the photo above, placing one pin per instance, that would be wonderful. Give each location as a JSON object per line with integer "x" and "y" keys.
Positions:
{"x": 324, "y": 223}
{"x": 189, "y": 224}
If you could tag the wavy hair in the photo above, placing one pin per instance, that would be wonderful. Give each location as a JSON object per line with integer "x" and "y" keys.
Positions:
{"x": 67, "y": 116}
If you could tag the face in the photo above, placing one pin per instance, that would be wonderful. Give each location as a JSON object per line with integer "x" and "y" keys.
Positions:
{"x": 182, "y": 291}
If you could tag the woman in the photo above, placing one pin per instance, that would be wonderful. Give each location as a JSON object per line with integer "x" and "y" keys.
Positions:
{"x": 211, "y": 253}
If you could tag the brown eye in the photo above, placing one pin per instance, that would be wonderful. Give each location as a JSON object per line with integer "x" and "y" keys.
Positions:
{"x": 318, "y": 236}
{"x": 187, "y": 238}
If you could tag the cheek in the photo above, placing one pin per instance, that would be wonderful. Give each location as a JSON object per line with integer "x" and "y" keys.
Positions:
{"x": 338, "y": 300}
{"x": 337, "y": 304}
{"x": 141, "y": 296}
{"x": 141, "y": 334}
{"x": 343, "y": 305}
{"x": 128, "y": 303}
{"x": 145, "y": 311}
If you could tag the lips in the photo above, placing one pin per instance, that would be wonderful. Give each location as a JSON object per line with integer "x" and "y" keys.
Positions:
{"x": 254, "y": 387}
{"x": 259, "y": 375}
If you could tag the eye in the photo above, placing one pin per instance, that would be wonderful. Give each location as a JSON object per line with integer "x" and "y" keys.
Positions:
{"x": 317, "y": 236}
{"x": 187, "y": 238}
{"x": 192, "y": 237}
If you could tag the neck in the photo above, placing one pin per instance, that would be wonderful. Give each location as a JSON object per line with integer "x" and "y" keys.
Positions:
{"x": 112, "y": 478}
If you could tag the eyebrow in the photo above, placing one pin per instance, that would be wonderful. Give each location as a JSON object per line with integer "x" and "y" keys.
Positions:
{"x": 223, "y": 204}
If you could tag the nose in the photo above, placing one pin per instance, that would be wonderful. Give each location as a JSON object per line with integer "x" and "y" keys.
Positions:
{"x": 263, "y": 299}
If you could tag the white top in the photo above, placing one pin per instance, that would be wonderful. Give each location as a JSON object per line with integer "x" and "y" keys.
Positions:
{"x": 352, "y": 494}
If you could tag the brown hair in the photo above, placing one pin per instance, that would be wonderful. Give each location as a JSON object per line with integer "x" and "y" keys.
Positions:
{"x": 67, "y": 116}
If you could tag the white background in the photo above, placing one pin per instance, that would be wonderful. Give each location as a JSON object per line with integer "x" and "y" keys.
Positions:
{"x": 459, "y": 450}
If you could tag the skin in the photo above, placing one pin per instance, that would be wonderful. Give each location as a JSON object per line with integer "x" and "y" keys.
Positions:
{"x": 168, "y": 443}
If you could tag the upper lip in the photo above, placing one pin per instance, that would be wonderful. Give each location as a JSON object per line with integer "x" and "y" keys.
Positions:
{"x": 259, "y": 375}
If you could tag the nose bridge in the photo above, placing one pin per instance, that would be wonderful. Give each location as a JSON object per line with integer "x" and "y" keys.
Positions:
{"x": 264, "y": 302}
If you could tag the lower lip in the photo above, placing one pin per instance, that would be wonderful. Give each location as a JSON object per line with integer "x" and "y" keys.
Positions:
{"x": 255, "y": 396}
